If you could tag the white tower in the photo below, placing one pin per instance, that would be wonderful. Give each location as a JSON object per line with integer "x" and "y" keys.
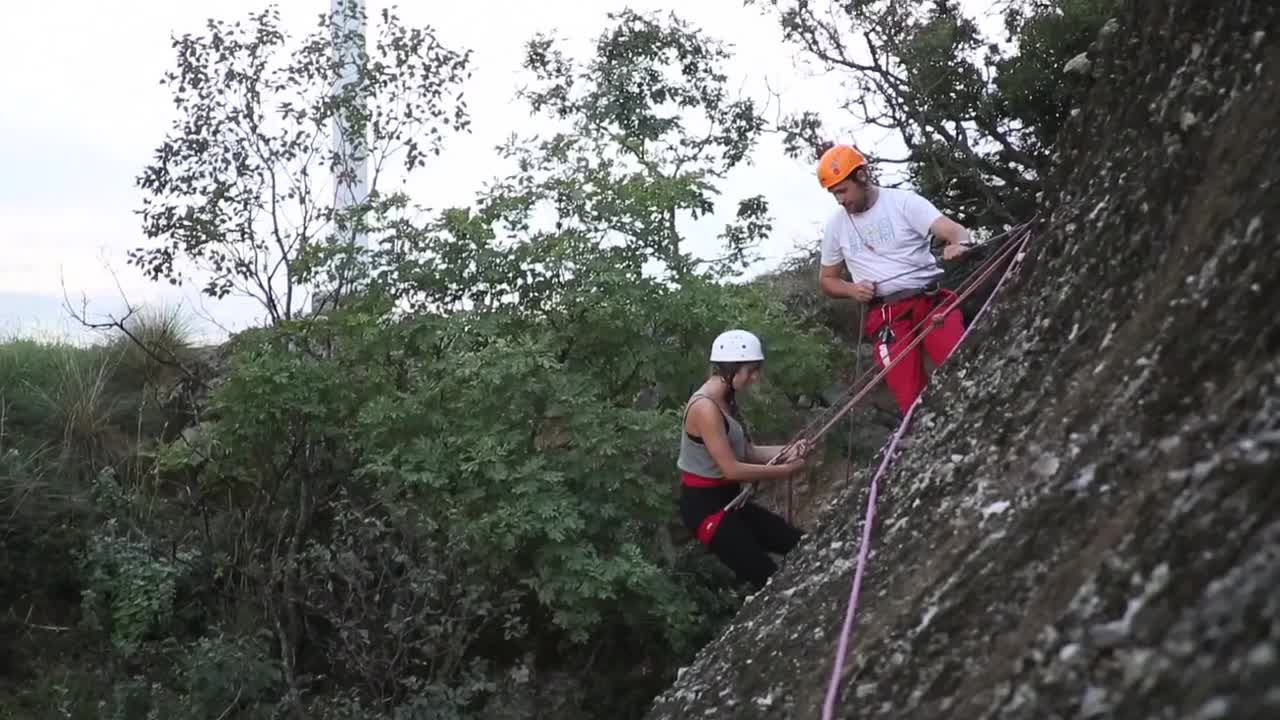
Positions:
{"x": 350, "y": 179}
{"x": 350, "y": 21}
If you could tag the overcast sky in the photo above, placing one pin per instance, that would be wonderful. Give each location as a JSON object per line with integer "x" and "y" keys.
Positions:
{"x": 82, "y": 112}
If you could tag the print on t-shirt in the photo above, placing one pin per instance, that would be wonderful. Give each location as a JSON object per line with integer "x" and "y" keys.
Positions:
{"x": 873, "y": 236}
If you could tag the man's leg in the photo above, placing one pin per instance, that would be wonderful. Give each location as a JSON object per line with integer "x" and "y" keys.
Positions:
{"x": 738, "y": 548}
{"x": 905, "y": 379}
{"x": 943, "y": 339}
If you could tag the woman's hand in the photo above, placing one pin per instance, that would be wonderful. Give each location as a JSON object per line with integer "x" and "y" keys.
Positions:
{"x": 798, "y": 453}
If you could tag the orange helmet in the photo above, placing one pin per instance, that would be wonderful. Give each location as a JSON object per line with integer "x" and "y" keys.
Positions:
{"x": 838, "y": 163}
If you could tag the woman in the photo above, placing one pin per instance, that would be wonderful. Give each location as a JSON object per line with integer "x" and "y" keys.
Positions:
{"x": 716, "y": 456}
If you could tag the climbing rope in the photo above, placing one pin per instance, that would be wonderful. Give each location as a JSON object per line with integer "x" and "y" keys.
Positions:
{"x": 1015, "y": 238}
{"x": 857, "y": 372}
{"x": 842, "y": 646}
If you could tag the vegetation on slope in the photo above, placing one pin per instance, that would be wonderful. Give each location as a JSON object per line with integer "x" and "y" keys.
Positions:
{"x": 450, "y": 495}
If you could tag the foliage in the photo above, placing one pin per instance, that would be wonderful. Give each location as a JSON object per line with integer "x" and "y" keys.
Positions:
{"x": 224, "y": 671}
{"x": 462, "y": 473}
{"x": 40, "y": 519}
{"x": 978, "y": 114}
{"x": 479, "y": 469}
{"x": 239, "y": 186}
{"x": 652, "y": 128}
{"x": 131, "y": 585}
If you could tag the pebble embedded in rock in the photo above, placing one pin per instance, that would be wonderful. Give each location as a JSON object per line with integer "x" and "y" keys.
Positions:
{"x": 1045, "y": 466}
{"x": 1108, "y": 635}
{"x": 1215, "y": 709}
{"x": 1262, "y": 655}
{"x": 1094, "y": 703}
{"x": 1069, "y": 653}
{"x": 1079, "y": 64}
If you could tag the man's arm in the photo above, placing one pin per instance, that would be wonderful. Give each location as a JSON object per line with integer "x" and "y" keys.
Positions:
{"x": 830, "y": 283}
{"x": 955, "y": 235}
{"x": 834, "y": 286}
{"x": 926, "y": 219}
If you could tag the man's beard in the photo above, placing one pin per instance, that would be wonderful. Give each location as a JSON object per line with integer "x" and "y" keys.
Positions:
{"x": 862, "y": 205}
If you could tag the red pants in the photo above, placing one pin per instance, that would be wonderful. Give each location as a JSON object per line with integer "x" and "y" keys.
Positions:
{"x": 907, "y": 379}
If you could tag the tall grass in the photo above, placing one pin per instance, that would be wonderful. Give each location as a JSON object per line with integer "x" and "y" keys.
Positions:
{"x": 31, "y": 373}
{"x": 67, "y": 412}
{"x": 33, "y": 494}
{"x": 57, "y": 395}
{"x": 88, "y": 407}
{"x": 154, "y": 346}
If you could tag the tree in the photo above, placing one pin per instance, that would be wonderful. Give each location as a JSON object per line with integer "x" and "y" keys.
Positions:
{"x": 978, "y": 117}
{"x": 463, "y": 473}
{"x": 652, "y": 128}
{"x": 240, "y": 186}
{"x": 477, "y": 469}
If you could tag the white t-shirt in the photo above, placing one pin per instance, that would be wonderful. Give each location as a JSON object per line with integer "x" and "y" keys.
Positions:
{"x": 891, "y": 238}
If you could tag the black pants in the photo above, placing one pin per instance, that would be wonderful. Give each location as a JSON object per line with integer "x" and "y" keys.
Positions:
{"x": 746, "y": 535}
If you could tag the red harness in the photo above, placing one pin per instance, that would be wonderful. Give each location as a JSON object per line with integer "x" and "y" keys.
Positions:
{"x": 707, "y": 528}
{"x": 699, "y": 481}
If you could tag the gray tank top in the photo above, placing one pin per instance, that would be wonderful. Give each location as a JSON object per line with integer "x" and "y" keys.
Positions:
{"x": 694, "y": 457}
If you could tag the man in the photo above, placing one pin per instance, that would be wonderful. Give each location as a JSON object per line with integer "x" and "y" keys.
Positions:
{"x": 881, "y": 235}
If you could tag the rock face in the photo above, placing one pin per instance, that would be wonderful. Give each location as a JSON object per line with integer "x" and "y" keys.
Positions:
{"x": 1088, "y": 522}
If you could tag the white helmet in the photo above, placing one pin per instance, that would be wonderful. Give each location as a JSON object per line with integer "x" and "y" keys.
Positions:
{"x": 736, "y": 346}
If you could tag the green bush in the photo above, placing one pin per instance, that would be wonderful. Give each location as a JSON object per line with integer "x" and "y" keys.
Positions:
{"x": 436, "y": 489}
{"x": 464, "y": 470}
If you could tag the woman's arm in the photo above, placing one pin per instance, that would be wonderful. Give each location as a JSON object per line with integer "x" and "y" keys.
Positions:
{"x": 706, "y": 421}
{"x": 765, "y": 453}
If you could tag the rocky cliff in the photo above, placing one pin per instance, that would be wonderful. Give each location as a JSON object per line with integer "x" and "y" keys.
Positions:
{"x": 1088, "y": 521}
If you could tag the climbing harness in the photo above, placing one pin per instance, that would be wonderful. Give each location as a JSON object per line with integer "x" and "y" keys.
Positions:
{"x": 1015, "y": 239}
{"x": 707, "y": 528}
{"x": 930, "y": 288}
{"x": 842, "y": 646}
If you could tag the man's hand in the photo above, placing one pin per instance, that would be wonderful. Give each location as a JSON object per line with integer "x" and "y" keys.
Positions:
{"x": 953, "y": 251}
{"x": 862, "y": 291}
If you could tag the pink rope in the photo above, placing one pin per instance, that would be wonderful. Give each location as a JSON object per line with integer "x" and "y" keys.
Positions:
{"x": 842, "y": 647}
